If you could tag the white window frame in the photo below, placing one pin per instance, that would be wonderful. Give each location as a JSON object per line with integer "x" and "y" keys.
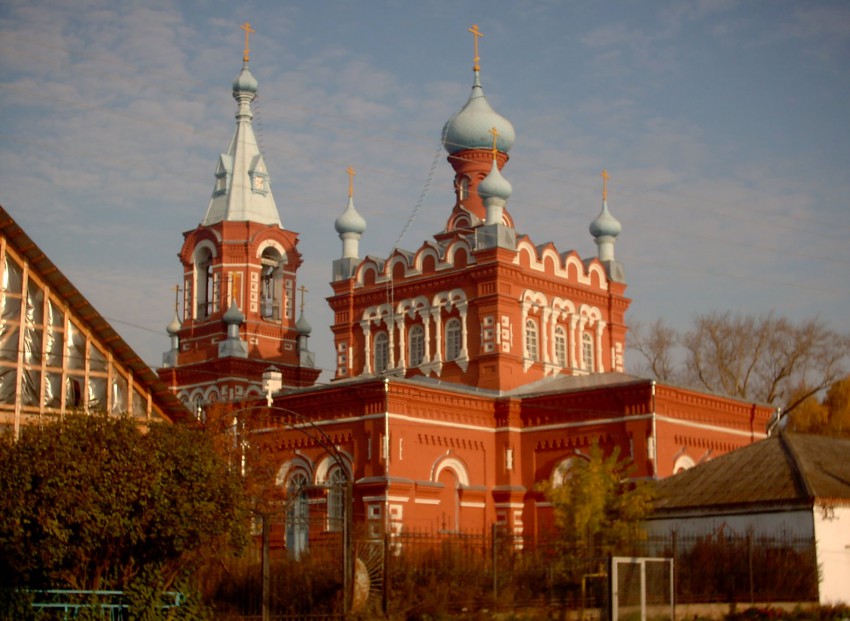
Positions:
{"x": 560, "y": 346}
{"x": 532, "y": 349}
{"x": 416, "y": 345}
{"x": 454, "y": 334}
{"x": 587, "y": 354}
{"x": 381, "y": 355}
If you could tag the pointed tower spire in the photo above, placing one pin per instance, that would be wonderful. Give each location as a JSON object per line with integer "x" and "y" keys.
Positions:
{"x": 242, "y": 189}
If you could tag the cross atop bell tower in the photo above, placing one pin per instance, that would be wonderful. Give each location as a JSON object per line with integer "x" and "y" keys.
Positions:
{"x": 246, "y": 56}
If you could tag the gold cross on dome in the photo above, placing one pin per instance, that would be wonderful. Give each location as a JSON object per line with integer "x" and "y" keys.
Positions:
{"x": 303, "y": 291}
{"x": 495, "y": 133}
{"x": 176, "y": 297}
{"x": 476, "y": 34}
{"x": 351, "y": 174}
{"x": 248, "y": 30}
{"x": 605, "y": 177}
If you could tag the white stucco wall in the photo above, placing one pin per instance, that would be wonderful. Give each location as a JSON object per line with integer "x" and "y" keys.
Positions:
{"x": 832, "y": 532}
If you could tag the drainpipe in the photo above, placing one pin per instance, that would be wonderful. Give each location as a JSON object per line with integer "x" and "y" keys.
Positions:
{"x": 386, "y": 447}
{"x": 386, "y": 450}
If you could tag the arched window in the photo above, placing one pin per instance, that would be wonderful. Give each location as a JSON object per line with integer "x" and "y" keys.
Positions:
{"x": 297, "y": 514}
{"x": 416, "y": 344}
{"x": 271, "y": 286}
{"x": 336, "y": 499}
{"x": 560, "y": 346}
{"x": 203, "y": 283}
{"x": 587, "y": 352}
{"x": 382, "y": 352}
{"x": 531, "y": 351}
{"x": 198, "y": 408}
{"x": 452, "y": 339}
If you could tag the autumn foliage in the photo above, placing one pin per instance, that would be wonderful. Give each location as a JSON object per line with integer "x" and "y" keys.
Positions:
{"x": 92, "y": 502}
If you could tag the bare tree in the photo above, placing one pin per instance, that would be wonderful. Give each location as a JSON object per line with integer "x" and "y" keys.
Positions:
{"x": 657, "y": 343}
{"x": 760, "y": 358}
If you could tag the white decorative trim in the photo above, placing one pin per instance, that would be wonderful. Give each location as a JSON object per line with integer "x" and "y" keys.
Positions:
{"x": 563, "y": 265}
{"x": 299, "y": 462}
{"x": 386, "y": 498}
{"x": 204, "y": 244}
{"x": 683, "y": 462}
{"x": 271, "y": 243}
{"x": 448, "y": 462}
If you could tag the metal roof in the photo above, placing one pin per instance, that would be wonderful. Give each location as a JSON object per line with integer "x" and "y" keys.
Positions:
{"x": 789, "y": 469}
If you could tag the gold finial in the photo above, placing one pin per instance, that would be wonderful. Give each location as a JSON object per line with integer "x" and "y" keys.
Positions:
{"x": 495, "y": 133}
{"x": 176, "y": 298}
{"x": 605, "y": 177}
{"x": 476, "y": 34}
{"x": 351, "y": 174}
{"x": 247, "y": 28}
{"x": 303, "y": 291}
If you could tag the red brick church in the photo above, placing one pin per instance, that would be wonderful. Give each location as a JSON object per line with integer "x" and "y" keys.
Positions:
{"x": 467, "y": 370}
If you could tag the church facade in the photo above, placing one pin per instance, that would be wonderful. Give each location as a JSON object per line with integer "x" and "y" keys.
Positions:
{"x": 466, "y": 371}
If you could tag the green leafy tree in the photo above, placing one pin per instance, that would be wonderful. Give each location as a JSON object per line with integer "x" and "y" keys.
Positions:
{"x": 93, "y": 502}
{"x": 598, "y": 510}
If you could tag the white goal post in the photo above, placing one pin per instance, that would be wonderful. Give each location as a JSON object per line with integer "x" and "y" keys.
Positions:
{"x": 641, "y": 588}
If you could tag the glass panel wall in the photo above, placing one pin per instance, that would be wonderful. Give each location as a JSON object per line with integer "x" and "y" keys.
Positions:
{"x": 50, "y": 363}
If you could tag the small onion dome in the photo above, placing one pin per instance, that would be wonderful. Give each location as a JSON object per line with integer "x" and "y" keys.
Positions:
{"x": 233, "y": 315}
{"x": 605, "y": 224}
{"x": 245, "y": 81}
{"x": 471, "y": 127}
{"x": 303, "y": 326}
{"x": 494, "y": 185}
{"x": 350, "y": 221}
{"x": 174, "y": 327}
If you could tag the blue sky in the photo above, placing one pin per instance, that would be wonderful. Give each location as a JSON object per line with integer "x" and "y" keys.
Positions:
{"x": 724, "y": 126}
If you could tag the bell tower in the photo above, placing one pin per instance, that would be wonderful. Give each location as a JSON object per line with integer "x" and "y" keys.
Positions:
{"x": 239, "y": 280}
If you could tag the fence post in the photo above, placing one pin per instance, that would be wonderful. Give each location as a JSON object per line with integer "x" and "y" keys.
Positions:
{"x": 750, "y": 564}
{"x": 674, "y": 577}
{"x": 266, "y": 567}
{"x": 385, "y": 586}
{"x": 348, "y": 559}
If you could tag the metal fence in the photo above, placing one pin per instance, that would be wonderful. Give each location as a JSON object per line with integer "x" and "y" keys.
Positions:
{"x": 415, "y": 573}
{"x": 741, "y": 567}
